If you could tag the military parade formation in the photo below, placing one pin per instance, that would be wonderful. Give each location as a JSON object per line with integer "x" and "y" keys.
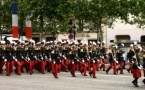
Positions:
{"x": 58, "y": 56}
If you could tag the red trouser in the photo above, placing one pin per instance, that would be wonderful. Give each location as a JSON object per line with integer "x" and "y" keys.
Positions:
{"x": 84, "y": 68}
{"x": 31, "y": 66}
{"x": 74, "y": 68}
{"x": 1, "y": 66}
{"x": 20, "y": 65}
{"x": 43, "y": 64}
{"x": 55, "y": 68}
{"x": 49, "y": 66}
{"x": 80, "y": 64}
{"x": 67, "y": 63}
{"x": 130, "y": 67}
{"x": 121, "y": 66}
{"x": 9, "y": 67}
{"x": 93, "y": 71}
{"x": 144, "y": 72}
{"x": 112, "y": 65}
{"x": 136, "y": 73}
{"x": 62, "y": 67}
{"x": 89, "y": 65}
{"x": 103, "y": 64}
{"x": 97, "y": 65}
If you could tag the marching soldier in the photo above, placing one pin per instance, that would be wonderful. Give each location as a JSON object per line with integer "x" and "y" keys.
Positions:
{"x": 43, "y": 58}
{"x": 94, "y": 59}
{"x": 56, "y": 62}
{"x": 112, "y": 60}
{"x": 98, "y": 56}
{"x": 74, "y": 60}
{"x": 48, "y": 54}
{"x": 143, "y": 64}
{"x": 136, "y": 72}
{"x": 84, "y": 60}
{"x": 31, "y": 57}
{"x": 9, "y": 58}
{"x": 20, "y": 54}
{"x": 130, "y": 55}
{"x": 103, "y": 57}
{"x": 1, "y": 58}
{"x": 120, "y": 58}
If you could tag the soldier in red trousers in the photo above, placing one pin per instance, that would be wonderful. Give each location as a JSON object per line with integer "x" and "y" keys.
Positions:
{"x": 94, "y": 59}
{"x": 56, "y": 62}
{"x": 112, "y": 60}
{"x": 1, "y": 57}
{"x": 136, "y": 72}
{"x": 74, "y": 60}
{"x": 120, "y": 58}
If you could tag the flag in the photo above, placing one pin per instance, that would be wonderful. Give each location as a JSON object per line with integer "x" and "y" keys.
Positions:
{"x": 28, "y": 29}
{"x": 14, "y": 20}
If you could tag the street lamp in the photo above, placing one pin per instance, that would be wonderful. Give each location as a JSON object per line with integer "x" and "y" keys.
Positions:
{"x": 72, "y": 26}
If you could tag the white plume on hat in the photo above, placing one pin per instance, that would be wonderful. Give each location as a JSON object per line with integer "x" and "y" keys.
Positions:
{"x": 59, "y": 40}
{"x": 86, "y": 43}
{"x": 103, "y": 42}
{"x": 131, "y": 45}
{"x": 94, "y": 43}
{"x": 43, "y": 41}
{"x": 2, "y": 42}
{"x": 140, "y": 47}
{"x": 90, "y": 42}
{"x": 135, "y": 43}
{"x": 122, "y": 44}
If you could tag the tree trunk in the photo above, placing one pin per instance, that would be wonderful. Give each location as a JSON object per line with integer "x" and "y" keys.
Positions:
{"x": 0, "y": 32}
{"x": 41, "y": 28}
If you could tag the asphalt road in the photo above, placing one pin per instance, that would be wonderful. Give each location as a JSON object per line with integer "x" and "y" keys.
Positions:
{"x": 46, "y": 81}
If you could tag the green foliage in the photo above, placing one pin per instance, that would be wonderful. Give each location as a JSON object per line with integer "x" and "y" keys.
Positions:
{"x": 52, "y": 16}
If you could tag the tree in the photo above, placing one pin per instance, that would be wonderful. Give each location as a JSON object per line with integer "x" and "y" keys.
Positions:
{"x": 5, "y": 16}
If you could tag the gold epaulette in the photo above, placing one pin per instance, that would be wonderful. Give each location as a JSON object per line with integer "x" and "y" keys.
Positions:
{"x": 4, "y": 48}
{"x": 15, "y": 48}
{"x": 82, "y": 50}
{"x": 70, "y": 52}
{"x": 47, "y": 48}
{"x": 128, "y": 51}
{"x": 26, "y": 49}
{"x": 134, "y": 57}
{"x": 144, "y": 56}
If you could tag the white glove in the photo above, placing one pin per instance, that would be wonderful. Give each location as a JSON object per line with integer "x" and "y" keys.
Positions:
{"x": 89, "y": 57}
{"x": 98, "y": 60}
{"x": 65, "y": 58}
{"x": 54, "y": 62}
{"x": 50, "y": 59}
{"x": 16, "y": 60}
{"x": 83, "y": 61}
{"x": 5, "y": 60}
{"x": 22, "y": 57}
{"x": 93, "y": 61}
{"x": 35, "y": 57}
{"x": 42, "y": 58}
{"x": 13, "y": 57}
{"x": 28, "y": 58}
{"x": 78, "y": 60}
{"x": 3, "y": 57}
{"x": 73, "y": 62}
{"x": 116, "y": 61}
{"x": 52, "y": 51}
{"x": 45, "y": 57}
{"x": 60, "y": 60}
{"x": 132, "y": 61}
{"x": 139, "y": 67}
